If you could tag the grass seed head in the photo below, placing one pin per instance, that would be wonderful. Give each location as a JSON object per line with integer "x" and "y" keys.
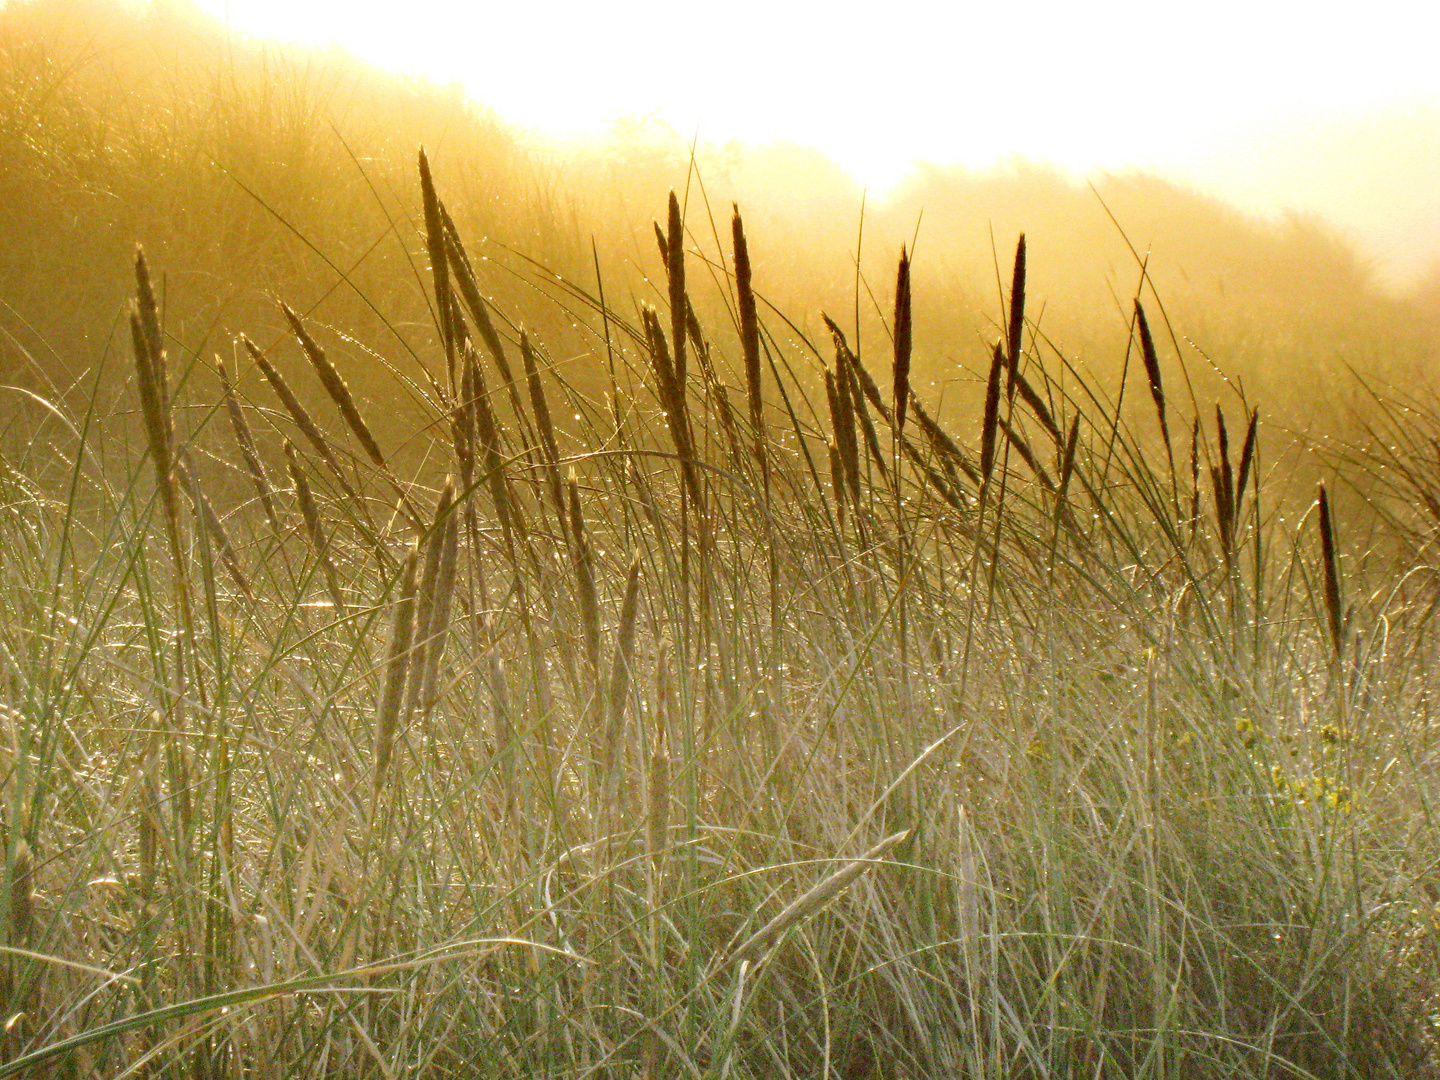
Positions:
{"x": 1331, "y": 560}
{"x": 1152, "y": 370}
{"x": 901, "y": 367}
{"x": 675, "y": 271}
{"x": 335, "y": 386}
{"x": 749, "y": 326}
{"x": 1017, "y": 318}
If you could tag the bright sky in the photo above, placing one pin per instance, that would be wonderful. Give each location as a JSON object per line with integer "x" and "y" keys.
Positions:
{"x": 1317, "y": 106}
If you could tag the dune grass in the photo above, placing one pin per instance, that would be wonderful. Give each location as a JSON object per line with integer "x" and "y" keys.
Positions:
{"x": 747, "y": 721}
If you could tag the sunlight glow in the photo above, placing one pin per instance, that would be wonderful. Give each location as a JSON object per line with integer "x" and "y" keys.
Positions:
{"x": 1178, "y": 88}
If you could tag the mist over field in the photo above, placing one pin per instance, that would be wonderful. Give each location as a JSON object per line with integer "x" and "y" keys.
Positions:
{"x": 253, "y": 170}
{"x": 479, "y": 603}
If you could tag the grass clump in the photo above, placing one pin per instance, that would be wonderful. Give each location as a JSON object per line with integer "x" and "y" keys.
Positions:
{"x": 1012, "y": 756}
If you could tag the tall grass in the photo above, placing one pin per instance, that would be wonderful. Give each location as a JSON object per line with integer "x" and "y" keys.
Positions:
{"x": 1009, "y": 756}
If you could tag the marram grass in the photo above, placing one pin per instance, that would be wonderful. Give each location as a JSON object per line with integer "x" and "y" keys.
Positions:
{"x": 1009, "y": 753}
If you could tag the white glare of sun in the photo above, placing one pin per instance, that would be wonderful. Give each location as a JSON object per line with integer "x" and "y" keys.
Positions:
{"x": 1081, "y": 85}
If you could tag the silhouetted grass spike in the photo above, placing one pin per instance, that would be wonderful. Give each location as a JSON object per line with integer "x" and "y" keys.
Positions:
{"x": 903, "y": 344}
{"x": 749, "y": 330}
{"x": 1331, "y": 567}
{"x": 1017, "y": 318}
{"x": 335, "y": 386}
{"x": 245, "y": 439}
{"x": 990, "y": 423}
{"x": 675, "y": 271}
{"x": 1152, "y": 371}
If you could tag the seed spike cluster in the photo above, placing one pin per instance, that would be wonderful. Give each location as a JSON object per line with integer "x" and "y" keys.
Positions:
{"x": 439, "y": 266}
{"x": 549, "y": 449}
{"x": 335, "y": 386}
{"x": 1330, "y": 559}
{"x": 245, "y": 439}
{"x": 749, "y": 331}
{"x": 153, "y": 384}
{"x": 1017, "y": 320}
{"x": 297, "y": 411}
{"x": 903, "y": 334}
{"x": 430, "y": 601}
{"x": 314, "y": 529}
{"x": 1152, "y": 371}
{"x": 675, "y": 271}
{"x": 990, "y": 423}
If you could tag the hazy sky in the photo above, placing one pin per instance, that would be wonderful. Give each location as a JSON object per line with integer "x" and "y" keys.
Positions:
{"x": 1321, "y": 106}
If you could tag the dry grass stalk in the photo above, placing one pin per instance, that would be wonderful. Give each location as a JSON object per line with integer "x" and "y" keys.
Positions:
{"x": 1222, "y": 481}
{"x": 1017, "y": 319}
{"x": 464, "y": 275}
{"x": 218, "y": 536}
{"x": 837, "y": 476}
{"x": 22, "y": 896}
{"x": 749, "y": 331}
{"x": 843, "y": 419}
{"x": 990, "y": 424}
{"x": 862, "y": 388}
{"x": 154, "y": 390}
{"x": 944, "y": 447}
{"x": 862, "y": 377}
{"x": 314, "y": 529}
{"x": 155, "y": 406}
{"x": 487, "y": 431}
{"x": 550, "y": 450}
{"x": 246, "y": 441}
{"x": 439, "y": 267}
{"x": 623, "y": 660}
{"x": 297, "y": 411}
{"x": 1330, "y": 558}
{"x": 1194, "y": 476}
{"x": 149, "y": 825}
{"x": 462, "y": 419}
{"x": 1037, "y": 405}
{"x": 813, "y": 899}
{"x": 397, "y": 666}
{"x": 586, "y": 597}
{"x": 1247, "y": 458}
{"x": 657, "y": 819}
{"x": 1067, "y": 460}
{"x": 439, "y": 629}
{"x": 675, "y": 271}
{"x": 427, "y": 597}
{"x": 657, "y": 795}
{"x": 1152, "y": 371}
{"x": 1226, "y": 475}
{"x": 672, "y": 401}
{"x": 19, "y": 989}
{"x": 335, "y": 386}
{"x": 1022, "y": 447}
{"x": 946, "y": 484}
{"x": 696, "y": 333}
{"x": 901, "y": 366}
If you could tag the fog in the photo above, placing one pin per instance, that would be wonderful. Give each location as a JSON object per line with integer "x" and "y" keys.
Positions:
{"x": 252, "y": 170}
{"x": 1266, "y": 105}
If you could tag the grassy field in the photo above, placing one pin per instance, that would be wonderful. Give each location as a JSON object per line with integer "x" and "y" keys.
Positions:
{"x": 449, "y": 629}
{"x": 735, "y": 720}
